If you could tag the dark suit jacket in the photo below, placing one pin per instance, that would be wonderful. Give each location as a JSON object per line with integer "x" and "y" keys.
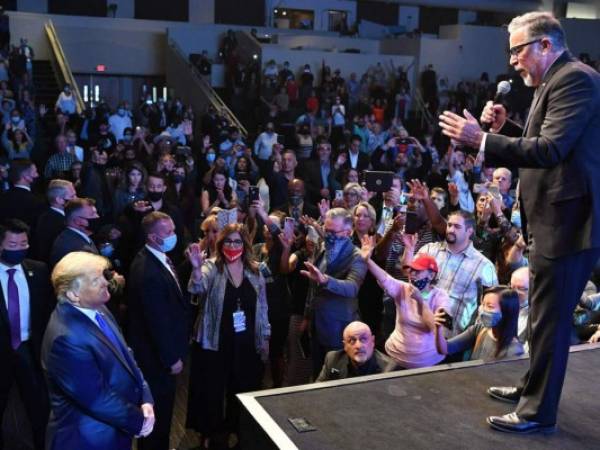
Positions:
{"x": 308, "y": 209}
{"x": 69, "y": 241}
{"x": 19, "y": 203}
{"x": 335, "y": 304}
{"x": 314, "y": 182}
{"x": 53, "y": 224}
{"x": 95, "y": 390}
{"x": 158, "y": 328}
{"x": 337, "y": 365}
{"x": 362, "y": 164}
{"x": 41, "y": 304}
{"x": 558, "y": 159}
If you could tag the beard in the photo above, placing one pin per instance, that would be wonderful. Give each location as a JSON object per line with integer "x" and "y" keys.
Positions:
{"x": 450, "y": 238}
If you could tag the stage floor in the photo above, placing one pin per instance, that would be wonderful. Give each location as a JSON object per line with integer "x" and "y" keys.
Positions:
{"x": 444, "y": 407}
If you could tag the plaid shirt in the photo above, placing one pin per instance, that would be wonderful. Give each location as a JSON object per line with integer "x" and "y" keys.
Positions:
{"x": 461, "y": 275}
{"x": 58, "y": 163}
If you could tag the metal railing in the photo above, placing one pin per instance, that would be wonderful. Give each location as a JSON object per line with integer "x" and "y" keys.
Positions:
{"x": 422, "y": 110}
{"x": 61, "y": 63}
{"x": 212, "y": 97}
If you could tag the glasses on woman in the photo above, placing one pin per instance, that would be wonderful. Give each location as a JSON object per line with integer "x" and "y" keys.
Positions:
{"x": 233, "y": 242}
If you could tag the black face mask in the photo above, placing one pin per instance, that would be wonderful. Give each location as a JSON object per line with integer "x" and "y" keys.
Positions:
{"x": 295, "y": 200}
{"x": 155, "y": 196}
{"x": 13, "y": 257}
{"x": 93, "y": 224}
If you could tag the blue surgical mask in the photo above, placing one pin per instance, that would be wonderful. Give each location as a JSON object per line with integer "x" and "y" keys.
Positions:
{"x": 15, "y": 119}
{"x": 169, "y": 243}
{"x": 490, "y": 319}
{"x": 210, "y": 157}
{"x": 107, "y": 250}
{"x": 121, "y": 112}
{"x": 515, "y": 218}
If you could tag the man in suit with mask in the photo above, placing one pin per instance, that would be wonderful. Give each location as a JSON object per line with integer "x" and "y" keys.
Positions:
{"x": 335, "y": 278}
{"x": 25, "y": 306}
{"x": 560, "y": 203}
{"x": 158, "y": 324}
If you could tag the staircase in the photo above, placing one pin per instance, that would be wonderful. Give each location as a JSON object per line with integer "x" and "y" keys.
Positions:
{"x": 46, "y": 86}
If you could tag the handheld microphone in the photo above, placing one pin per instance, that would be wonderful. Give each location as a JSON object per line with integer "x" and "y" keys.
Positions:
{"x": 502, "y": 89}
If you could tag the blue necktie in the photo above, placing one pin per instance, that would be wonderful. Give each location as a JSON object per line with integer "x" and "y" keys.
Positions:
{"x": 110, "y": 334}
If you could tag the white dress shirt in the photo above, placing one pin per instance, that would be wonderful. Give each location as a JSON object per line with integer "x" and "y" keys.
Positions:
{"x": 23, "y": 287}
{"x": 162, "y": 257}
{"x": 58, "y": 210}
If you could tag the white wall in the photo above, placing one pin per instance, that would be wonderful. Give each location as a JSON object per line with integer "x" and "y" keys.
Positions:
{"x": 328, "y": 43}
{"x": 202, "y": 11}
{"x": 318, "y": 6}
{"x": 408, "y": 16}
{"x": 125, "y": 8}
{"x": 37, "y": 6}
{"x": 473, "y": 50}
{"x": 347, "y": 63}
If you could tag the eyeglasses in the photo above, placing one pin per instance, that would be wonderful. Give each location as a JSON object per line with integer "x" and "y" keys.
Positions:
{"x": 514, "y": 51}
{"x": 233, "y": 242}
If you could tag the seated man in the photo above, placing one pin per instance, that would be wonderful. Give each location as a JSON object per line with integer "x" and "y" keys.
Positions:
{"x": 358, "y": 356}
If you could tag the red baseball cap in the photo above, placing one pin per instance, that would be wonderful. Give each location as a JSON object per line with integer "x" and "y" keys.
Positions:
{"x": 424, "y": 262}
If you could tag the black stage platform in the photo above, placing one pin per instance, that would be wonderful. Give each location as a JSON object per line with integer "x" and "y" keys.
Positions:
{"x": 438, "y": 408}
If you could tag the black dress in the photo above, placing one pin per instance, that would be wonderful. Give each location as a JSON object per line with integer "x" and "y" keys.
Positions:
{"x": 219, "y": 375}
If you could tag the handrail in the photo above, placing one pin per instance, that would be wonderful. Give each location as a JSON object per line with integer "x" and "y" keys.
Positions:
{"x": 207, "y": 89}
{"x": 422, "y": 108}
{"x": 63, "y": 64}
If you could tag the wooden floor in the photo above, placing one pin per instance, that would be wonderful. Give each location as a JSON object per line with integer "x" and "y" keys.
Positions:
{"x": 17, "y": 431}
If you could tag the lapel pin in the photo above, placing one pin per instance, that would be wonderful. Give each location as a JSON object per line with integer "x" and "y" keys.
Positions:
{"x": 30, "y": 273}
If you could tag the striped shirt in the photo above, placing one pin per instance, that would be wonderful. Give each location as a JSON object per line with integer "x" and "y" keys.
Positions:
{"x": 461, "y": 275}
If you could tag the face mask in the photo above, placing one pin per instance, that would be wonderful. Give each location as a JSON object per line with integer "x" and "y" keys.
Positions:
{"x": 13, "y": 257}
{"x": 210, "y": 157}
{"x": 420, "y": 284}
{"x": 155, "y": 196}
{"x": 15, "y": 119}
{"x": 490, "y": 319}
{"x": 121, "y": 112}
{"x": 232, "y": 254}
{"x": 107, "y": 250}
{"x": 93, "y": 224}
{"x": 169, "y": 243}
{"x": 334, "y": 245}
{"x": 295, "y": 200}
{"x": 127, "y": 137}
{"x": 515, "y": 218}
{"x": 178, "y": 178}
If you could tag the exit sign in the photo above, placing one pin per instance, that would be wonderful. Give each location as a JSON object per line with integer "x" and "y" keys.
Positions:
{"x": 100, "y": 68}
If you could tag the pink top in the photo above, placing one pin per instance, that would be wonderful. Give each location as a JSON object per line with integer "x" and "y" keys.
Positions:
{"x": 411, "y": 343}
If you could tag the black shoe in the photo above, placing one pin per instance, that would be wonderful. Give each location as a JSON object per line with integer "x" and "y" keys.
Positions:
{"x": 508, "y": 394}
{"x": 511, "y": 423}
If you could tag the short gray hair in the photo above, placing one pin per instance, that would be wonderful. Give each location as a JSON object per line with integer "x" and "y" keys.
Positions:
{"x": 340, "y": 213}
{"x": 69, "y": 271}
{"x": 538, "y": 25}
{"x": 57, "y": 188}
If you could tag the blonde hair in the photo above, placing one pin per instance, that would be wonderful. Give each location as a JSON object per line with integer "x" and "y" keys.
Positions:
{"x": 69, "y": 271}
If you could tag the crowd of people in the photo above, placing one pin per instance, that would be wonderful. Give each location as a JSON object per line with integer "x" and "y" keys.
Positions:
{"x": 270, "y": 251}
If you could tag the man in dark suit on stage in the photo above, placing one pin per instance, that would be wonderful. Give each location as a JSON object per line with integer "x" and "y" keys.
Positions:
{"x": 81, "y": 218}
{"x": 58, "y": 194}
{"x": 560, "y": 203}
{"x": 19, "y": 202}
{"x": 26, "y": 301}
{"x": 98, "y": 395}
{"x": 158, "y": 321}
